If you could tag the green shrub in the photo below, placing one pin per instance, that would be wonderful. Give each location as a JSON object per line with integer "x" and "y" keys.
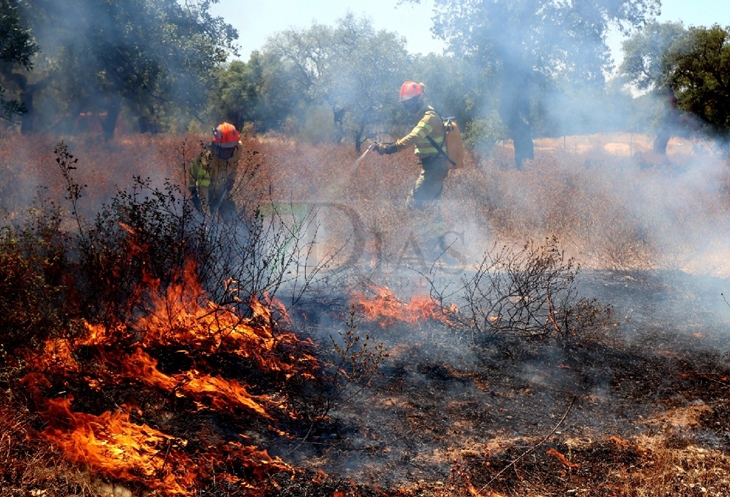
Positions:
{"x": 34, "y": 290}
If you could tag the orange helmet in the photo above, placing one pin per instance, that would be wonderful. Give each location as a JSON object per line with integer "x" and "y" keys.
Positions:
{"x": 411, "y": 89}
{"x": 226, "y": 135}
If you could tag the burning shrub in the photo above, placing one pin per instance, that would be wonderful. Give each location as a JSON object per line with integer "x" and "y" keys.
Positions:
{"x": 387, "y": 309}
{"x": 145, "y": 231}
{"x": 150, "y": 231}
{"x": 142, "y": 231}
{"x": 156, "y": 355}
{"x": 132, "y": 412}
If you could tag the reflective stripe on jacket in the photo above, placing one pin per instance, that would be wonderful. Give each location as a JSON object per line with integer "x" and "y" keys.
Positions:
{"x": 211, "y": 171}
{"x": 429, "y": 124}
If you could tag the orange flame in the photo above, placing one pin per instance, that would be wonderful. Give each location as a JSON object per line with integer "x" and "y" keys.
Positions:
{"x": 180, "y": 317}
{"x": 387, "y": 309}
{"x": 564, "y": 460}
{"x": 481, "y": 493}
{"x": 183, "y": 315}
{"x": 57, "y": 357}
{"x": 118, "y": 448}
{"x": 223, "y": 394}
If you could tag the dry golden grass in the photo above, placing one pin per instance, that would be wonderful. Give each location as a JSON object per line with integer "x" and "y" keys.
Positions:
{"x": 609, "y": 209}
{"x": 608, "y": 200}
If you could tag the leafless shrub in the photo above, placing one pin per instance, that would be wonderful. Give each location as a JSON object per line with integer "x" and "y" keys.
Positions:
{"x": 357, "y": 360}
{"x": 146, "y": 230}
{"x": 528, "y": 293}
{"x": 269, "y": 252}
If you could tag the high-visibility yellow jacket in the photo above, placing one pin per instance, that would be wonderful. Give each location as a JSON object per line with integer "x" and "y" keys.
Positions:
{"x": 428, "y": 124}
{"x": 210, "y": 172}
{"x": 212, "y": 176}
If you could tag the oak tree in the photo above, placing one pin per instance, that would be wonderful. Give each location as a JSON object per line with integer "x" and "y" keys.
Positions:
{"x": 156, "y": 57}
{"x": 352, "y": 68}
{"x": 698, "y": 71}
{"x": 16, "y": 51}
{"x": 529, "y": 42}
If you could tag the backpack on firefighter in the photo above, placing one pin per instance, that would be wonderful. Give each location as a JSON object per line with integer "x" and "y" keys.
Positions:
{"x": 454, "y": 145}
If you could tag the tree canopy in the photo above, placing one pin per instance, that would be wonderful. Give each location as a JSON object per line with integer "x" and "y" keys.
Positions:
{"x": 644, "y": 63}
{"x": 512, "y": 68}
{"x": 528, "y": 42}
{"x": 17, "y": 48}
{"x": 690, "y": 69}
{"x": 352, "y": 68}
{"x": 698, "y": 71}
{"x": 154, "y": 56}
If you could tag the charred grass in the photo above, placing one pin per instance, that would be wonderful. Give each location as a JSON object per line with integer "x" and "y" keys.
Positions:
{"x": 634, "y": 404}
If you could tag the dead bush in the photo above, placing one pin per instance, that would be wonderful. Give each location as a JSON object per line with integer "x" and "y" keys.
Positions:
{"x": 528, "y": 293}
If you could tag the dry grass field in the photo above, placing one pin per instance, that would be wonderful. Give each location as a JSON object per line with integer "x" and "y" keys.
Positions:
{"x": 378, "y": 378}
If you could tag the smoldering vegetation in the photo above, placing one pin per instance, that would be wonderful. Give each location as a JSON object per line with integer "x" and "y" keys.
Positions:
{"x": 580, "y": 298}
{"x": 557, "y": 326}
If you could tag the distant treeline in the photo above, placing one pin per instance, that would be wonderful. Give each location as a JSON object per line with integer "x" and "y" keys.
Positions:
{"x": 512, "y": 70}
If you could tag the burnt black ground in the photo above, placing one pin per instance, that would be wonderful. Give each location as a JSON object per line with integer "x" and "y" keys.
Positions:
{"x": 447, "y": 399}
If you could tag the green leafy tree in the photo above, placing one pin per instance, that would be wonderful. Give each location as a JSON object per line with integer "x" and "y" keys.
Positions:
{"x": 352, "y": 68}
{"x": 528, "y": 42}
{"x": 645, "y": 67}
{"x": 16, "y": 50}
{"x": 645, "y": 52}
{"x": 457, "y": 87}
{"x": 155, "y": 56}
{"x": 369, "y": 68}
{"x": 259, "y": 92}
{"x": 698, "y": 71}
{"x": 236, "y": 94}
{"x": 690, "y": 70}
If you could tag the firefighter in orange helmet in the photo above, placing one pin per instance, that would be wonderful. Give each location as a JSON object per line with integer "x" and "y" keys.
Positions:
{"x": 213, "y": 174}
{"x": 428, "y": 133}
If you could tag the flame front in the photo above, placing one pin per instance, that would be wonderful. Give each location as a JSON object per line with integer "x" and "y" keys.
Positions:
{"x": 116, "y": 447}
{"x": 387, "y": 309}
{"x": 182, "y": 319}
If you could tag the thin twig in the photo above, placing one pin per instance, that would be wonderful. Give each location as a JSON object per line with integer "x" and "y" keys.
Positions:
{"x": 304, "y": 439}
{"x": 531, "y": 449}
{"x": 705, "y": 376}
{"x": 164, "y": 461}
{"x": 551, "y": 314}
{"x": 723, "y": 298}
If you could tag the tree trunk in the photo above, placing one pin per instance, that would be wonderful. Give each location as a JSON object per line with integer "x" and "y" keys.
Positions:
{"x": 359, "y": 137}
{"x": 662, "y": 139}
{"x": 27, "y": 93}
{"x": 520, "y": 131}
{"x": 110, "y": 123}
{"x": 27, "y": 121}
{"x": 514, "y": 110}
{"x": 665, "y": 133}
{"x": 339, "y": 116}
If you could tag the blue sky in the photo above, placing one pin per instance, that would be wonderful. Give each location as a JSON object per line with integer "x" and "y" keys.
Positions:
{"x": 257, "y": 20}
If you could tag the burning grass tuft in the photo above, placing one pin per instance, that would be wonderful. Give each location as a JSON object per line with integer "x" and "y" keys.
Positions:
{"x": 385, "y": 308}
{"x": 148, "y": 349}
{"x": 119, "y": 444}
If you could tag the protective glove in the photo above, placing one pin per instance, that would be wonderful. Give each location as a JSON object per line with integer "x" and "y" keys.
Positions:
{"x": 196, "y": 200}
{"x": 386, "y": 148}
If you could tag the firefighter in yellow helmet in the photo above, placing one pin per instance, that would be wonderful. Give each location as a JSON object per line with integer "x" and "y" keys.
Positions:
{"x": 213, "y": 174}
{"x": 427, "y": 136}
